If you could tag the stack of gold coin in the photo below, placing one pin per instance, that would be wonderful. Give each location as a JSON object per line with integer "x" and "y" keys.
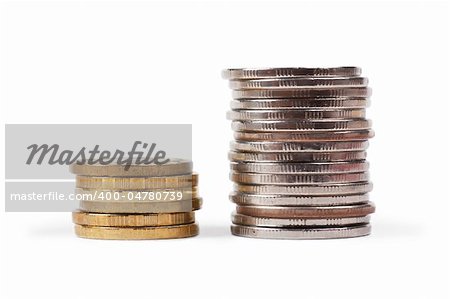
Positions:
{"x": 298, "y": 160}
{"x": 138, "y": 201}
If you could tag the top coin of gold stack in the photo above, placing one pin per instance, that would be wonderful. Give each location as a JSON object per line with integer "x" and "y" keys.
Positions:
{"x": 137, "y": 201}
{"x": 298, "y": 158}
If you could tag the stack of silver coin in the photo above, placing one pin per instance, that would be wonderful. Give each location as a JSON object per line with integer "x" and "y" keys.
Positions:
{"x": 298, "y": 161}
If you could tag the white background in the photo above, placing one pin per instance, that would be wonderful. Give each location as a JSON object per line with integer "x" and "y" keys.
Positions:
{"x": 145, "y": 62}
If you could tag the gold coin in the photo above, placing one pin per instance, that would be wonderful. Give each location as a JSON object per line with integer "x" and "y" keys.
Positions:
{"x": 173, "y": 167}
{"x": 126, "y": 220}
{"x": 136, "y": 233}
{"x": 135, "y": 207}
{"x": 137, "y": 196}
{"x": 136, "y": 183}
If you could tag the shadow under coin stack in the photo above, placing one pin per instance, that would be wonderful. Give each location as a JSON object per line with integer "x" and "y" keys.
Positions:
{"x": 298, "y": 158}
{"x": 142, "y": 202}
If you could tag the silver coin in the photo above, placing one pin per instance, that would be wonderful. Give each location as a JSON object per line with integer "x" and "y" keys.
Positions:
{"x": 268, "y": 146}
{"x": 298, "y": 83}
{"x": 301, "y": 233}
{"x": 302, "y": 93}
{"x": 302, "y": 168}
{"x": 296, "y": 200}
{"x": 297, "y": 179}
{"x": 288, "y": 126}
{"x": 317, "y": 104}
{"x": 331, "y": 189}
{"x": 173, "y": 167}
{"x": 306, "y": 136}
{"x": 307, "y": 212}
{"x": 296, "y": 157}
{"x": 296, "y": 222}
{"x": 255, "y": 73}
{"x": 304, "y": 114}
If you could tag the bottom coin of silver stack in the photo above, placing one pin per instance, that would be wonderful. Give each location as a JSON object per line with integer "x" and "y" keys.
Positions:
{"x": 298, "y": 160}
{"x": 138, "y": 201}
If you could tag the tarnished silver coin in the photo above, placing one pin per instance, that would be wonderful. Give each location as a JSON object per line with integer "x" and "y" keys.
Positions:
{"x": 297, "y": 179}
{"x": 290, "y": 115}
{"x": 301, "y": 233}
{"x": 288, "y": 104}
{"x": 296, "y": 200}
{"x": 306, "y": 136}
{"x": 296, "y": 157}
{"x": 270, "y": 146}
{"x": 296, "y": 168}
{"x": 296, "y": 222}
{"x": 307, "y": 212}
{"x": 288, "y": 126}
{"x": 298, "y": 83}
{"x": 286, "y": 72}
{"x": 330, "y": 189}
{"x": 334, "y": 92}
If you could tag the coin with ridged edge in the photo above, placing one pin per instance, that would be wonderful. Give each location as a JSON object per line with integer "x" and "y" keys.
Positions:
{"x": 298, "y": 83}
{"x": 334, "y": 92}
{"x": 135, "y": 207}
{"x": 296, "y": 157}
{"x": 132, "y": 220}
{"x": 301, "y": 233}
{"x": 307, "y": 212}
{"x": 300, "y": 168}
{"x": 287, "y": 72}
{"x": 289, "y": 104}
{"x": 173, "y": 167}
{"x": 137, "y": 196}
{"x": 296, "y": 115}
{"x": 136, "y": 183}
{"x": 297, "y": 179}
{"x": 270, "y": 146}
{"x": 329, "y": 189}
{"x": 296, "y": 200}
{"x": 295, "y": 222}
{"x": 306, "y": 136}
{"x": 137, "y": 233}
{"x": 287, "y": 126}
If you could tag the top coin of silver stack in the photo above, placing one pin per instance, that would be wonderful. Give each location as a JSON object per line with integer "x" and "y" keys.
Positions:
{"x": 298, "y": 158}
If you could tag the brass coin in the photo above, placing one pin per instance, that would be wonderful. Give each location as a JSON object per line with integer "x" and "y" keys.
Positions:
{"x": 125, "y": 220}
{"x": 136, "y": 183}
{"x": 137, "y": 233}
{"x": 138, "y": 196}
{"x": 173, "y": 167}
{"x": 135, "y": 207}
{"x": 307, "y": 212}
